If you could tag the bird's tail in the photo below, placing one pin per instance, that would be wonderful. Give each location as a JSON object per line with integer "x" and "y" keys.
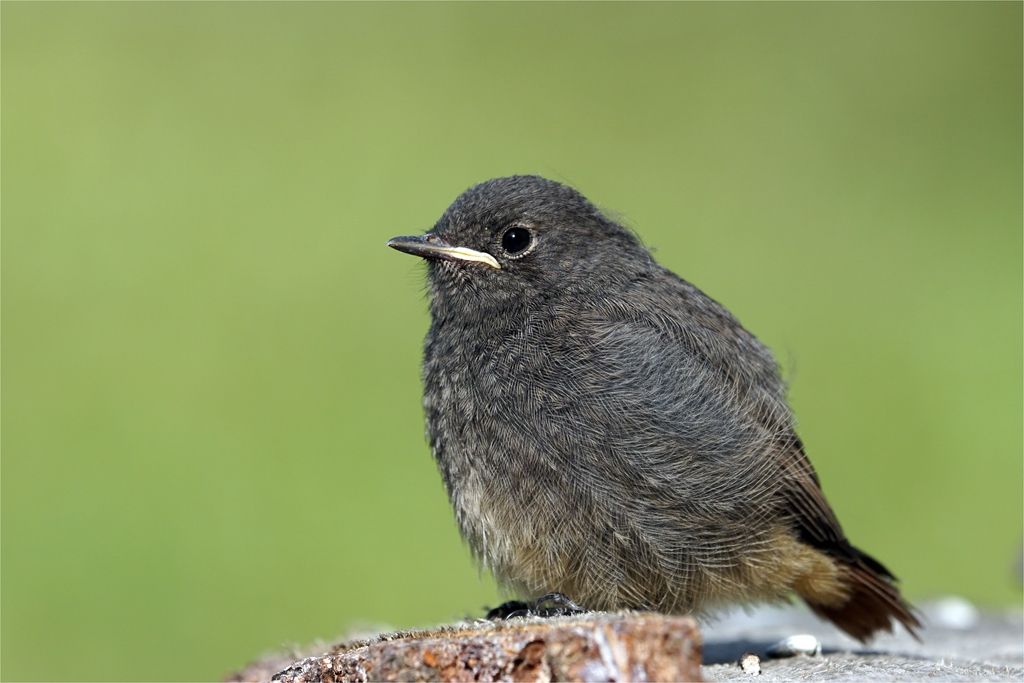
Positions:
{"x": 873, "y": 603}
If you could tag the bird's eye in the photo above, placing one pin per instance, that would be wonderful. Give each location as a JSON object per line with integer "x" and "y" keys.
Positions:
{"x": 516, "y": 240}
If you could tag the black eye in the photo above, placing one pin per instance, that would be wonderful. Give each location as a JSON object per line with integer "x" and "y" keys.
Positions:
{"x": 516, "y": 240}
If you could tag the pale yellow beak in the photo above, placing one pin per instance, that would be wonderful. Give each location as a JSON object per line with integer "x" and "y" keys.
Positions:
{"x": 432, "y": 246}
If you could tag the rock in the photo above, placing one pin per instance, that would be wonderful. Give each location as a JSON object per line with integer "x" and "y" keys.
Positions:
{"x": 591, "y": 647}
{"x": 634, "y": 646}
{"x": 990, "y": 650}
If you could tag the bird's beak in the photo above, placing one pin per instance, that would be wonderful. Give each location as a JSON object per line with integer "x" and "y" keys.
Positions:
{"x": 432, "y": 246}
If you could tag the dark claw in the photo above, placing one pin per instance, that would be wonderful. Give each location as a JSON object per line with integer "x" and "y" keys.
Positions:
{"x": 550, "y": 605}
{"x": 507, "y": 610}
{"x": 563, "y": 601}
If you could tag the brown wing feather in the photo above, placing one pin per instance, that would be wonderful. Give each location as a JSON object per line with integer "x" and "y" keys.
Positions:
{"x": 874, "y": 599}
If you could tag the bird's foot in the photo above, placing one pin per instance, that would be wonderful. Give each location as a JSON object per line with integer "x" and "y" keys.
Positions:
{"x": 550, "y": 605}
{"x": 512, "y": 608}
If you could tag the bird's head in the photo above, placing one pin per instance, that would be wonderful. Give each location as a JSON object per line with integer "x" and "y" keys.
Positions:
{"x": 522, "y": 238}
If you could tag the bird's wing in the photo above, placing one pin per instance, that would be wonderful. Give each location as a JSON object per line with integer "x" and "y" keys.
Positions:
{"x": 708, "y": 331}
{"x": 813, "y": 517}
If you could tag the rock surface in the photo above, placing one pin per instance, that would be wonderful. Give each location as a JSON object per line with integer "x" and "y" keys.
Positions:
{"x": 958, "y": 643}
{"x": 591, "y": 647}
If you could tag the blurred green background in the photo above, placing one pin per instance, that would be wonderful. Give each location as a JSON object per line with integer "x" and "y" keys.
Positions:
{"x": 212, "y": 437}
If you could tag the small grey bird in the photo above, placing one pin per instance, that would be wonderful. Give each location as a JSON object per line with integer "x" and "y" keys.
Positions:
{"x": 608, "y": 432}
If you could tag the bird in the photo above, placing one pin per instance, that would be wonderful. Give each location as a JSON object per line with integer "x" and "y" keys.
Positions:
{"x": 608, "y": 433}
